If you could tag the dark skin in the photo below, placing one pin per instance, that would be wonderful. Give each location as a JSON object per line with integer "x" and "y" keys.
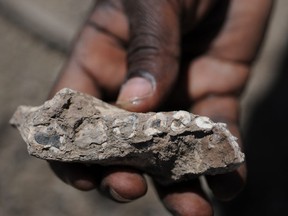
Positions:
{"x": 165, "y": 55}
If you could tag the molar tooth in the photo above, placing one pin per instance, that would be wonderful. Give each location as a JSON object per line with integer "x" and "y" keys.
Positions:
{"x": 181, "y": 120}
{"x": 125, "y": 127}
{"x": 156, "y": 124}
{"x": 204, "y": 122}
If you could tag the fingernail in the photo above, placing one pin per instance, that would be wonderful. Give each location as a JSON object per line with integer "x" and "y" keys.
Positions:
{"x": 135, "y": 90}
{"x": 117, "y": 197}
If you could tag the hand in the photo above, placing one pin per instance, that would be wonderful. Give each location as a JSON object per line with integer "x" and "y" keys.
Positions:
{"x": 177, "y": 54}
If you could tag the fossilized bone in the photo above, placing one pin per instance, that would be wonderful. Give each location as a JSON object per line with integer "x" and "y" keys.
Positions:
{"x": 170, "y": 146}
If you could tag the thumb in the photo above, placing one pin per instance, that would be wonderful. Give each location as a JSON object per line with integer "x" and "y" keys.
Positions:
{"x": 152, "y": 54}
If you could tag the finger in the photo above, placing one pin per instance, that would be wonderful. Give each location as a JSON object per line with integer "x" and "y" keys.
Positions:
{"x": 214, "y": 76}
{"x": 152, "y": 55}
{"x": 143, "y": 90}
{"x": 97, "y": 63}
{"x": 79, "y": 176}
{"x": 224, "y": 67}
{"x": 218, "y": 77}
{"x": 243, "y": 32}
{"x": 224, "y": 109}
{"x": 123, "y": 184}
{"x": 185, "y": 199}
{"x": 227, "y": 186}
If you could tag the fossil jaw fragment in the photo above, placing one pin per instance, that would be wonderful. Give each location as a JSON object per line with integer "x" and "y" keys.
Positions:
{"x": 170, "y": 146}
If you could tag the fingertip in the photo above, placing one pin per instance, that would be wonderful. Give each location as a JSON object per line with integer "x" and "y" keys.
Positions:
{"x": 136, "y": 93}
{"x": 123, "y": 185}
{"x": 226, "y": 187}
{"x": 78, "y": 176}
{"x": 186, "y": 199}
{"x": 82, "y": 184}
{"x": 188, "y": 204}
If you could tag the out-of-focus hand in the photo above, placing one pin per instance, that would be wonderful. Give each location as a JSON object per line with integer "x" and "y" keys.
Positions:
{"x": 165, "y": 55}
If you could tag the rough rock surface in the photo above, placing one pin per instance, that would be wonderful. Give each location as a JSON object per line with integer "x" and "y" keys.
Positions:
{"x": 170, "y": 146}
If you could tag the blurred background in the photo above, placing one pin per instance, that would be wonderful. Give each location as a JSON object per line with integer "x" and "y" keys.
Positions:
{"x": 35, "y": 39}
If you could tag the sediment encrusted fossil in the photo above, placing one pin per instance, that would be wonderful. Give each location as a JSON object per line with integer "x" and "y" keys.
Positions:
{"x": 170, "y": 146}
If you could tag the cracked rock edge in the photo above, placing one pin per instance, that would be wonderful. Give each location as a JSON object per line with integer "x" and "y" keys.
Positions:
{"x": 170, "y": 146}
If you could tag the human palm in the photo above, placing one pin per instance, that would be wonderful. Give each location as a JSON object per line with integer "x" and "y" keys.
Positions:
{"x": 165, "y": 55}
